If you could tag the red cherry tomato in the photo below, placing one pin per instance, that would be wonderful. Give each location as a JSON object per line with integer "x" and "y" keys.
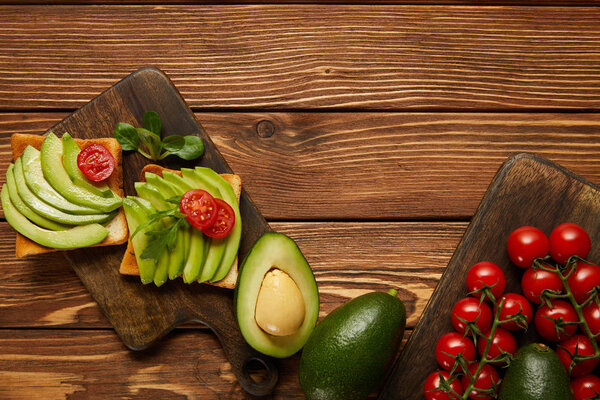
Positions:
{"x": 200, "y": 208}
{"x": 488, "y": 378}
{"x": 513, "y": 304}
{"x": 483, "y": 274}
{"x": 586, "y": 387}
{"x": 567, "y": 240}
{"x": 96, "y": 162}
{"x": 580, "y": 345}
{"x": 503, "y": 341}
{"x": 224, "y": 221}
{"x": 449, "y": 346}
{"x": 546, "y": 317}
{"x": 525, "y": 244}
{"x": 583, "y": 280}
{"x": 469, "y": 309}
{"x": 535, "y": 280}
{"x": 591, "y": 314}
{"x": 432, "y": 384}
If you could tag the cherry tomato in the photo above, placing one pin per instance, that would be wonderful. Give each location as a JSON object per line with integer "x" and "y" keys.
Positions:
{"x": 488, "y": 378}
{"x": 586, "y": 387}
{"x": 545, "y": 320}
{"x": 591, "y": 314}
{"x": 525, "y": 244}
{"x": 584, "y": 279}
{"x": 432, "y": 384}
{"x": 200, "y": 208}
{"x": 486, "y": 273}
{"x": 449, "y": 346}
{"x": 96, "y": 162}
{"x": 535, "y": 280}
{"x": 224, "y": 221}
{"x": 469, "y": 309}
{"x": 513, "y": 304}
{"x": 580, "y": 345}
{"x": 503, "y": 341}
{"x": 567, "y": 240}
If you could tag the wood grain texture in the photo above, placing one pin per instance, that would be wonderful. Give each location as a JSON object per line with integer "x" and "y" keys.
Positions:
{"x": 321, "y": 2}
{"x": 307, "y": 56}
{"x": 399, "y": 165}
{"x": 348, "y": 260}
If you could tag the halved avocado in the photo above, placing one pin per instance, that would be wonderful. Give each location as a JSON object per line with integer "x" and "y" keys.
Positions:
{"x": 258, "y": 303}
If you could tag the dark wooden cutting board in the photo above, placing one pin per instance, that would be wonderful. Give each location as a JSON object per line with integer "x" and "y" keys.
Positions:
{"x": 527, "y": 190}
{"x": 141, "y": 315}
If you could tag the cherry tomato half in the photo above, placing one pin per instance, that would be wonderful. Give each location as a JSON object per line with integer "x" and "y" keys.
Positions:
{"x": 449, "y": 346}
{"x": 583, "y": 280}
{"x": 486, "y": 379}
{"x": 224, "y": 221}
{"x": 96, "y": 162}
{"x": 546, "y": 318}
{"x": 525, "y": 244}
{"x": 591, "y": 314}
{"x": 580, "y": 345}
{"x": 586, "y": 387}
{"x": 200, "y": 207}
{"x": 469, "y": 309}
{"x": 567, "y": 240}
{"x": 535, "y": 281}
{"x": 513, "y": 304}
{"x": 432, "y": 384}
{"x": 503, "y": 341}
{"x": 488, "y": 274}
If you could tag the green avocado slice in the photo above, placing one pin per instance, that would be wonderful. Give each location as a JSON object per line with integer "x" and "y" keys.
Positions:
{"x": 137, "y": 215}
{"x": 34, "y": 178}
{"x": 78, "y": 236}
{"x": 54, "y": 171}
{"x": 24, "y": 208}
{"x": 70, "y": 152}
{"x": 47, "y": 210}
{"x": 274, "y": 250}
{"x": 166, "y": 188}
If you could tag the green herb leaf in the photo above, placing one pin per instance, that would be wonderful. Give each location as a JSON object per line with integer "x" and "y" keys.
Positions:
{"x": 193, "y": 148}
{"x": 173, "y": 200}
{"x": 152, "y": 122}
{"x": 173, "y": 143}
{"x": 127, "y": 136}
{"x": 152, "y": 142}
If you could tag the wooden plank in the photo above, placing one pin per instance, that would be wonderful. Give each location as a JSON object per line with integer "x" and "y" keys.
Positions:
{"x": 348, "y": 259}
{"x": 307, "y": 56}
{"x": 395, "y": 2}
{"x": 399, "y": 165}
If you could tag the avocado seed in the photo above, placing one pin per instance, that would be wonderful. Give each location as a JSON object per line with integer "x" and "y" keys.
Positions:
{"x": 279, "y": 306}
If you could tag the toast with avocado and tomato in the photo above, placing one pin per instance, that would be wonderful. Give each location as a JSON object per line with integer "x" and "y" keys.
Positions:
{"x": 195, "y": 256}
{"x": 50, "y": 202}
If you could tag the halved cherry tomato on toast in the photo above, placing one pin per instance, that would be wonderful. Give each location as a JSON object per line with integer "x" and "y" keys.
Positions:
{"x": 200, "y": 207}
{"x": 224, "y": 221}
{"x": 96, "y": 162}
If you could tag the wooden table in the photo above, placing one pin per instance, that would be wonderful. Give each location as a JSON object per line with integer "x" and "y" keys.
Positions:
{"x": 368, "y": 133}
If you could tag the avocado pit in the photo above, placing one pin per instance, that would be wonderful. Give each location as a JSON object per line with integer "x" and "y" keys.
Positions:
{"x": 280, "y": 309}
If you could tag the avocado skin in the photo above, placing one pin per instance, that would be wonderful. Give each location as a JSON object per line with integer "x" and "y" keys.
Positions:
{"x": 535, "y": 373}
{"x": 347, "y": 354}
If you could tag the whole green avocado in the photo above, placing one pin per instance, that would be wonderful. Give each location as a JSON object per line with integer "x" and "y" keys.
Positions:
{"x": 347, "y": 354}
{"x": 535, "y": 373}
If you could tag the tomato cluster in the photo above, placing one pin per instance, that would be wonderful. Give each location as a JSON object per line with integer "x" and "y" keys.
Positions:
{"x": 213, "y": 216}
{"x": 565, "y": 288}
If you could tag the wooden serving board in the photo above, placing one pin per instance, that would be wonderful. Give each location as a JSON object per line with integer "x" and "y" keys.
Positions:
{"x": 527, "y": 190}
{"x": 142, "y": 314}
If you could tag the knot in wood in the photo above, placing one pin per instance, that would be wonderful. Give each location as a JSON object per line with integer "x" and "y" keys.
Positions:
{"x": 265, "y": 128}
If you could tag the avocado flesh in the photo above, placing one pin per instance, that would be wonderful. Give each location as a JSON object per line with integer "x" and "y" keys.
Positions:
{"x": 166, "y": 188}
{"x": 137, "y": 215}
{"x": 54, "y": 171}
{"x": 47, "y": 210}
{"x": 70, "y": 152}
{"x": 535, "y": 373}
{"x": 232, "y": 241}
{"x": 177, "y": 255}
{"x": 34, "y": 178}
{"x": 274, "y": 250}
{"x": 78, "y": 236}
{"x": 216, "y": 249}
{"x": 24, "y": 208}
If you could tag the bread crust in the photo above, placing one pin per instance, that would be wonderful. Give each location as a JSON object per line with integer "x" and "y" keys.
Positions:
{"x": 118, "y": 230}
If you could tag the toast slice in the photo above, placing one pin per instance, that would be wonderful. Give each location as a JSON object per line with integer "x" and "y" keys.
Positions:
{"x": 129, "y": 264}
{"x": 117, "y": 227}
